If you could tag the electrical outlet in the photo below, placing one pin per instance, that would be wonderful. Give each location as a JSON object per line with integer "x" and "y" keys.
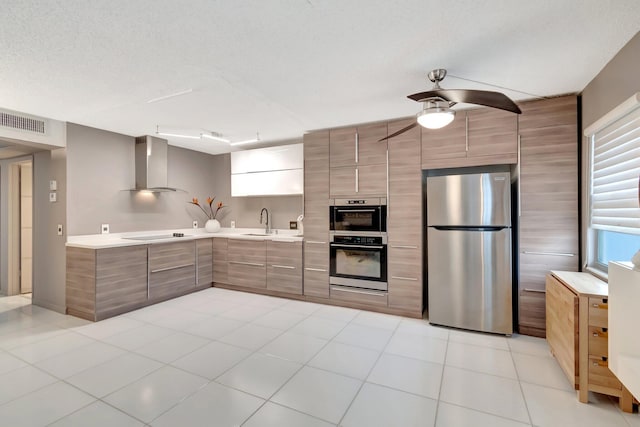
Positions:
{"x": 59, "y": 229}
{"x": 233, "y": 224}
{"x": 53, "y": 197}
{"x": 195, "y": 224}
{"x": 104, "y": 228}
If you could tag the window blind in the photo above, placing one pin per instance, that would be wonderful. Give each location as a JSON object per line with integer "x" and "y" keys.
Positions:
{"x": 615, "y": 175}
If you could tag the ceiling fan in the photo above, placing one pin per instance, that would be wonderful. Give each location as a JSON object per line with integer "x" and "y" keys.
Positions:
{"x": 436, "y": 111}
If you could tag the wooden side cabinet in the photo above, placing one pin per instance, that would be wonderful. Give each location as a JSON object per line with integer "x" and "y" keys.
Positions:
{"x": 577, "y": 333}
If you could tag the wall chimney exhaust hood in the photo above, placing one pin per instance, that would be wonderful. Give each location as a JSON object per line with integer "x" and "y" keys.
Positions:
{"x": 151, "y": 164}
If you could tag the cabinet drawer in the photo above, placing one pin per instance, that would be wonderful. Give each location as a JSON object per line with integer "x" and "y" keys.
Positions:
{"x": 284, "y": 267}
{"x": 599, "y": 373}
{"x": 249, "y": 274}
{"x": 599, "y": 312}
{"x": 165, "y": 284}
{"x": 598, "y": 341}
{"x": 357, "y": 296}
{"x": 316, "y": 254}
{"x": 165, "y": 256}
{"x": 316, "y": 281}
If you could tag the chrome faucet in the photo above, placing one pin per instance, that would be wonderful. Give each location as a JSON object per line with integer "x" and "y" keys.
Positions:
{"x": 267, "y": 229}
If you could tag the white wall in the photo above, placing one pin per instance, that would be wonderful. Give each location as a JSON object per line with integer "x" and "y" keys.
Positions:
{"x": 101, "y": 170}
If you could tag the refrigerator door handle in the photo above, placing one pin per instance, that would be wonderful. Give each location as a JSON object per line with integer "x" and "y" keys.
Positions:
{"x": 470, "y": 228}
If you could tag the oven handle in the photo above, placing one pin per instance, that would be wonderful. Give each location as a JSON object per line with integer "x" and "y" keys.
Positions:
{"x": 355, "y": 210}
{"x": 356, "y": 246}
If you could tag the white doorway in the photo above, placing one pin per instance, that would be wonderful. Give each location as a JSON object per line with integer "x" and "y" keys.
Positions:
{"x": 20, "y": 228}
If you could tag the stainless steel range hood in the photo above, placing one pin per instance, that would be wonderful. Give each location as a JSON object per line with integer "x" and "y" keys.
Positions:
{"x": 151, "y": 164}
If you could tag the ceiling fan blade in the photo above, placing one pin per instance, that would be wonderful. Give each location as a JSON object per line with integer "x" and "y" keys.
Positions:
{"x": 468, "y": 96}
{"x": 400, "y": 132}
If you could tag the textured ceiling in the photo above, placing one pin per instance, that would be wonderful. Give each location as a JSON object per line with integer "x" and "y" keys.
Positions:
{"x": 283, "y": 67}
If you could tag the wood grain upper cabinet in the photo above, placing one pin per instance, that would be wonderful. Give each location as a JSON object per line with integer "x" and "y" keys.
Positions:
{"x": 247, "y": 263}
{"x": 358, "y": 145}
{"x": 316, "y": 214}
{"x": 357, "y": 160}
{"x": 172, "y": 269}
{"x": 404, "y": 220}
{"x": 548, "y": 202}
{"x": 493, "y": 135}
{"x": 482, "y": 136}
{"x": 449, "y": 142}
{"x": 284, "y": 267}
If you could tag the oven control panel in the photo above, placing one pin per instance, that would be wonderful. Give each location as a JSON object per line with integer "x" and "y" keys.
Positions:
{"x": 359, "y": 240}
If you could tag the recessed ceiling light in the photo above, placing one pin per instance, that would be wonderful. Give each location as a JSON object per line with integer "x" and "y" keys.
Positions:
{"x": 248, "y": 141}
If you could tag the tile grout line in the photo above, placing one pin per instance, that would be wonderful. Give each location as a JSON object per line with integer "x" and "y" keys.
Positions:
{"x": 524, "y": 399}
{"x": 355, "y": 396}
{"x": 444, "y": 365}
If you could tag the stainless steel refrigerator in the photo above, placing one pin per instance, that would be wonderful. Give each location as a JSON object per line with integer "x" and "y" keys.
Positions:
{"x": 469, "y": 251}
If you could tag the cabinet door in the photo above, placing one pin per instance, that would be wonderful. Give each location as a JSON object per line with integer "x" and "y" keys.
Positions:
{"x": 204, "y": 251}
{"x": 371, "y": 180}
{"x": 172, "y": 269}
{"x": 284, "y": 267}
{"x": 220, "y": 264}
{"x": 247, "y": 263}
{"x": 439, "y": 146}
{"x": 121, "y": 280}
{"x": 548, "y": 201}
{"x": 342, "y": 182}
{"x": 342, "y": 147}
{"x": 316, "y": 268}
{"x": 372, "y": 151}
{"x": 404, "y": 220}
{"x": 493, "y": 135}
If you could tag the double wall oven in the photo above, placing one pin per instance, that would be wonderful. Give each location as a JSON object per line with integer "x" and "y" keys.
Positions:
{"x": 358, "y": 243}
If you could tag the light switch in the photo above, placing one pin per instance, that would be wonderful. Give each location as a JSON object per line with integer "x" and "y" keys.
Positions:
{"x": 233, "y": 224}
{"x": 59, "y": 229}
{"x": 53, "y": 197}
{"x": 195, "y": 224}
{"x": 53, "y": 185}
{"x": 104, "y": 229}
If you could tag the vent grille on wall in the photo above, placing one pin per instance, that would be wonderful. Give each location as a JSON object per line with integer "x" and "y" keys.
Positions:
{"x": 30, "y": 124}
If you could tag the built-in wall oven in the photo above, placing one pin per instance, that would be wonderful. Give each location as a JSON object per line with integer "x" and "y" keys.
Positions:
{"x": 349, "y": 215}
{"x": 358, "y": 243}
{"x": 358, "y": 261}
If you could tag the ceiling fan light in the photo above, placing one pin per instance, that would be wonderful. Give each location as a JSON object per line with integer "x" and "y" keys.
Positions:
{"x": 435, "y": 117}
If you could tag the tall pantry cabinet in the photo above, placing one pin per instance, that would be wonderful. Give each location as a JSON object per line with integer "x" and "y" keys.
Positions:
{"x": 548, "y": 202}
{"x": 404, "y": 220}
{"x": 316, "y": 214}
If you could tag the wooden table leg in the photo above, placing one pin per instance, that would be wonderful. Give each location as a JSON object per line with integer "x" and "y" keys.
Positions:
{"x": 626, "y": 400}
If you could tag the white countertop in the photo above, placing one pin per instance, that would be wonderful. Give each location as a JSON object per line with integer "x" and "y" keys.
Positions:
{"x": 112, "y": 240}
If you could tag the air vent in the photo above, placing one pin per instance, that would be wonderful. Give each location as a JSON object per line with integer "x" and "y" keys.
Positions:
{"x": 30, "y": 124}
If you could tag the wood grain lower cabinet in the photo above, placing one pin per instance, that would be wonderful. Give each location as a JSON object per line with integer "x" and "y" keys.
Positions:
{"x": 247, "y": 263}
{"x": 204, "y": 253}
{"x": 577, "y": 332}
{"x": 105, "y": 282}
{"x": 172, "y": 269}
{"x": 220, "y": 263}
{"x": 405, "y": 278}
{"x": 316, "y": 268}
{"x": 284, "y": 267}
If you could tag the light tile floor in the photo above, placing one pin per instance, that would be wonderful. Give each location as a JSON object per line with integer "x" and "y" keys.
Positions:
{"x": 225, "y": 358}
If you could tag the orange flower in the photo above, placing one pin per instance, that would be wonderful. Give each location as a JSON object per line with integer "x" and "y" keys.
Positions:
{"x": 195, "y": 201}
{"x": 219, "y": 205}
{"x": 209, "y": 200}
